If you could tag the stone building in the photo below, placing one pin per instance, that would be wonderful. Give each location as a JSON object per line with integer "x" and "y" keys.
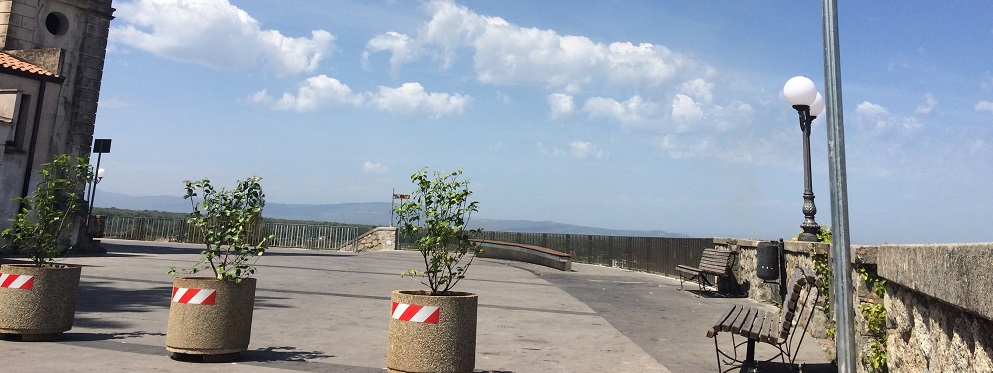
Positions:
{"x": 51, "y": 64}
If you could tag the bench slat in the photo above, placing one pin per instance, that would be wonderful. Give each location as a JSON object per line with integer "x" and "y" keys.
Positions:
{"x": 771, "y": 327}
{"x": 741, "y": 322}
{"x": 756, "y": 325}
{"x": 769, "y": 332}
{"x": 726, "y": 327}
{"x": 712, "y": 262}
{"x": 724, "y": 319}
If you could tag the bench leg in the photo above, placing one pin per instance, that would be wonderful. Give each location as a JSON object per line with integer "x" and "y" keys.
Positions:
{"x": 749, "y": 364}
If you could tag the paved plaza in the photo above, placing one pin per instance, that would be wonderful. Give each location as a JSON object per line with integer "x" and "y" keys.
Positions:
{"x": 318, "y": 311}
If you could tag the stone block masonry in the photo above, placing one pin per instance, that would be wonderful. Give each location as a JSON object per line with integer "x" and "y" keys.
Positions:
{"x": 939, "y": 303}
{"x": 378, "y": 239}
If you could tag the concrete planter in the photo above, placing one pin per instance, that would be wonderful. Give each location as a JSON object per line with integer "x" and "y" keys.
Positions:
{"x": 446, "y": 346}
{"x": 215, "y": 328}
{"x": 40, "y": 309}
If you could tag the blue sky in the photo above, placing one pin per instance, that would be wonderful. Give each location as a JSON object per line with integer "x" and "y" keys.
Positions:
{"x": 616, "y": 114}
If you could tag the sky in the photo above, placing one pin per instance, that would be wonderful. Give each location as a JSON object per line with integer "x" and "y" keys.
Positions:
{"x": 634, "y": 114}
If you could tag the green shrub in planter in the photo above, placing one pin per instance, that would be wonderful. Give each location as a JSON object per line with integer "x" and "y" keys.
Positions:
{"x": 218, "y": 327}
{"x": 46, "y": 213}
{"x": 436, "y": 216}
{"x": 443, "y": 340}
{"x": 42, "y": 305}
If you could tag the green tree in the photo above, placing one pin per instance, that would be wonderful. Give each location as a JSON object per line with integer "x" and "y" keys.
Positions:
{"x": 47, "y": 212}
{"x": 232, "y": 224}
{"x": 436, "y": 216}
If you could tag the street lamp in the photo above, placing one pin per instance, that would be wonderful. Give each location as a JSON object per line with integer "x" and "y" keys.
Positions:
{"x": 100, "y": 146}
{"x": 800, "y": 92}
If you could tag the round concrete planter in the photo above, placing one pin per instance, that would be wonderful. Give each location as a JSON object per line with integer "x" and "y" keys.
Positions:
{"x": 222, "y": 329}
{"x": 447, "y": 346}
{"x": 47, "y": 309}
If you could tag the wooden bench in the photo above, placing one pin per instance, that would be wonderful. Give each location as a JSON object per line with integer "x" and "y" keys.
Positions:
{"x": 777, "y": 330}
{"x": 525, "y": 253}
{"x": 714, "y": 262}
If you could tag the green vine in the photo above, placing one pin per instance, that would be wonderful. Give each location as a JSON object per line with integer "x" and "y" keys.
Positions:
{"x": 875, "y": 321}
{"x": 823, "y": 269}
{"x": 874, "y": 313}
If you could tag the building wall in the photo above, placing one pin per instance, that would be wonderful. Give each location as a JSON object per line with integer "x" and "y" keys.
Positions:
{"x": 33, "y": 118}
{"x": 68, "y": 37}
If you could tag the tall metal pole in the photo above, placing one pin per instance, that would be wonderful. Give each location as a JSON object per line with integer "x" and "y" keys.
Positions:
{"x": 841, "y": 287}
{"x": 93, "y": 191}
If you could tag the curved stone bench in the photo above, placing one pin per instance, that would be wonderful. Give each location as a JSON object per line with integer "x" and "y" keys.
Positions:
{"x": 525, "y": 253}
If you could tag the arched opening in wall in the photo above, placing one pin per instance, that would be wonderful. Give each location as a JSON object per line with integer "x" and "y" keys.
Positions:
{"x": 56, "y": 23}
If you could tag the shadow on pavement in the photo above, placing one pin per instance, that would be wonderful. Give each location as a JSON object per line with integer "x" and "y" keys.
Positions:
{"x": 89, "y": 337}
{"x": 285, "y": 353}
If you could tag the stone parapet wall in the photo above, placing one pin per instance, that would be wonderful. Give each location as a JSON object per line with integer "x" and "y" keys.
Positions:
{"x": 939, "y": 307}
{"x": 378, "y": 239}
{"x": 938, "y": 300}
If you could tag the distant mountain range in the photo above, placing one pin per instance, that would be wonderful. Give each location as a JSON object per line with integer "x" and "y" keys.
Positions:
{"x": 369, "y": 213}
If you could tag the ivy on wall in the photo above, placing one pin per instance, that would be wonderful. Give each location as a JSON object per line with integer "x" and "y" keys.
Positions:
{"x": 875, "y": 321}
{"x": 874, "y": 313}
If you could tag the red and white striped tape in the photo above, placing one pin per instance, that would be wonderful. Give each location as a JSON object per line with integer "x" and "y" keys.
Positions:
{"x": 14, "y": 281}
{"x": 193, "y": 296}
{"x": 415, "y": 313}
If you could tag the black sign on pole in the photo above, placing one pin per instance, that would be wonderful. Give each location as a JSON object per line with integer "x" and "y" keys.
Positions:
{"x": 101, "y": 146}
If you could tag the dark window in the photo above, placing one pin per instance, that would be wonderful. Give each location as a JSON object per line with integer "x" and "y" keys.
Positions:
{"x": 15, "y": 141}
{"x": 56, "y": 23}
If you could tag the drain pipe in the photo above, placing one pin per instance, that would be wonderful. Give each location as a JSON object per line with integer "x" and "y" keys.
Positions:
{"x": 29, "y": 164}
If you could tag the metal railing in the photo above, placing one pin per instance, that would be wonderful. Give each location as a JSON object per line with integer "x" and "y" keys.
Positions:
{"x": 659, "y": 255}
{"x": 307, "y": 236}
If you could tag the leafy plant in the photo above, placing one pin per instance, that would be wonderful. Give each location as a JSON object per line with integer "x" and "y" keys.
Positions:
{"x": 436, "y": 216}
{"x": 232, "y": 225}
{"x": 48, "y": 210}
{"x": 874, "y": 313}
{"x": 823, "y": 270}
{"x": 875, "y": 321}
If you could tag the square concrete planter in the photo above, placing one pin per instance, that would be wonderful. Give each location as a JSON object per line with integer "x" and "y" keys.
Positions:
{"x": 38, "y": 303}
{"x": 210, "y": 319}
{"x": 432, "y": 333}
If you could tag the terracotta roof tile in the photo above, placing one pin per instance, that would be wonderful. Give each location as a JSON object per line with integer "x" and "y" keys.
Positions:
{"x": 8, "y": 62}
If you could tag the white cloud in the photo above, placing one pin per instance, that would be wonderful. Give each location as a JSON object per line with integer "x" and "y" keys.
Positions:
{"x": 315, "y": 93}
{"x": 321, "y": 92}
{"x": 410, "y": 98}
{"x": 633, "y": 111}
{"x": 679, "y": 146}
{"x": 374, "y": 168}
{"x": 584, "y": 150}
{"x": 879, "y": 120}
{"x": 686, "y": 109}
{"x": 217, "y": 34}
{"x": 576, "y": 149}
{"x": 561, "y": 104}
{"x": 928, "y": 106}
{"x": 699, "y": 89}
{"x": 400, "y": 45}
{"x": 870, "y": 109}
{"x": 505, "y": 53}
{"x": 984, "y": 106}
